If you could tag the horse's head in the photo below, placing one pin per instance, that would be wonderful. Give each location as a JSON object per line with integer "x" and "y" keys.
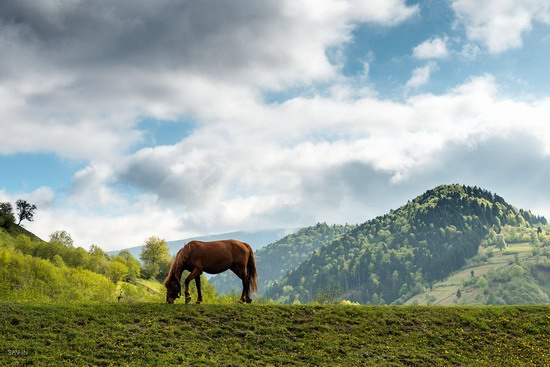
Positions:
{"x": 173, "y": 289}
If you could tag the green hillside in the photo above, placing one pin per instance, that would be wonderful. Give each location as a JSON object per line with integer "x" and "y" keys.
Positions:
{"x": 33, "y": 270}
{"x": 516, "y": 273}
{"x": 284, "y": 255}
{"x": 272, "y": 335}
{"x": 393, "y": 257}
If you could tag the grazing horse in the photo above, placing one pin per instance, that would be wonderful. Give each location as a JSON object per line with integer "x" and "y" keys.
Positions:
{"x": 212, "y": 257}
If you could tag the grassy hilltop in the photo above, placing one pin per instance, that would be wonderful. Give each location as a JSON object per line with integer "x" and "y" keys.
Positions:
{"x": 272, "y": 335}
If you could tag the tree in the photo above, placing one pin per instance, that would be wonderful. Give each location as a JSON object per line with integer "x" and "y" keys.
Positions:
{"x": 117, "y": 271}
{"x": 58, "y": 261}
{"x": 134, "y": 267}
{"x": 97, "y": 261}
{"x": 155, "y": 256}
{"x": 25, "y": 210}
{"x": 6, "y": 215}
{"x": 61, "y": 237}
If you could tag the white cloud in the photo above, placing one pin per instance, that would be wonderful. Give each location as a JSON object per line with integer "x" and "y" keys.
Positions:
{"x": 290, "y": 164}
{"x": 303, "y": 160}
{"x": 111, "y": 231}
{"x": 420, "y": 76}
{"x": 431, "y": 49}
{"x": 76, "y": 77}
{"x": 500, "y": 24}
{"x": 42, "y": 197}
{"x": 77, "y": 72}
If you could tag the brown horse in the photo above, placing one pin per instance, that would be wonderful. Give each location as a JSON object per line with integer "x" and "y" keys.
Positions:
{"x": 212, "y": 257}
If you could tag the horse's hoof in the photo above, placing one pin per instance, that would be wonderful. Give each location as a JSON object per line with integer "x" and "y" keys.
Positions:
{"x": 249, "y": 301}
{"x": 187, "y": 300}
{"x": 240, "y": 301}
{"x": 198, "y": 302}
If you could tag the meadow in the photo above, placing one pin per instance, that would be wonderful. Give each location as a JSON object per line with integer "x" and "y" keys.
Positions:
{"x": 444, "y": 291}
{"x": 145, "y": 334}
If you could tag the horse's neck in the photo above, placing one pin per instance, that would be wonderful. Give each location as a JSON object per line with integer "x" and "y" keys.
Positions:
{"x": 179, "y": 267}
{"x": 178, "y": 271}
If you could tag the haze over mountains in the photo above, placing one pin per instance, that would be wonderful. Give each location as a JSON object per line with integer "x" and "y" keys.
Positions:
{"x": 256, "y": 239}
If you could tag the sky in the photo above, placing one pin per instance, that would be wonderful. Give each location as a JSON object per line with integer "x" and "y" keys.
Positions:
{"x": 126, "y": 119}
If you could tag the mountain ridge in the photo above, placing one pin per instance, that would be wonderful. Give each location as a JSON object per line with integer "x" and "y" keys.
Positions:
{"x": 388, "y": 258}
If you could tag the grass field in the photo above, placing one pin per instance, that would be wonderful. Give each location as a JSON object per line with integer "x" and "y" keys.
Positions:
{"x": 272, "y": 335}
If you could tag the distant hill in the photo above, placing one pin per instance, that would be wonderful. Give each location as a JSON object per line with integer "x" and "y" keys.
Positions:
{"x": 393, "y": 257}
{"x": 276, "y": 259}
{"x": 256, "y": 239}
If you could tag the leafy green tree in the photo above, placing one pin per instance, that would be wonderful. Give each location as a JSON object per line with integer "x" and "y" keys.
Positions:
{"x": 58, "y": 261}
{"x": 62, "y": 237}
{"x": 134, "y": 266}
{"x": 24, "y": 244}
{"x": 117, "y": 271}
{"x": 98, "y": 261}
{"x": 25, "y": 210}
{"x": 500, "y": 242}
{"x": 329, "y": 295}
{"x": 6, "y": 215}
{"x": 155, "y": 256}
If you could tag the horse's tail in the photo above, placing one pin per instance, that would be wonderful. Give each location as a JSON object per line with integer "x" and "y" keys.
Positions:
{"x": 251, "y": 274}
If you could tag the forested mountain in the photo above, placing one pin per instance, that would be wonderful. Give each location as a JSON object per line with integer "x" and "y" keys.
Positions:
{"x": 277, "y": 259}
{"x": 390, "y": 258}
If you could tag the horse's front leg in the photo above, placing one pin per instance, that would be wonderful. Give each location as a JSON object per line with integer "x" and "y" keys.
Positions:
{"x": 199, "y": 293}
{"x": 194, "y": 273}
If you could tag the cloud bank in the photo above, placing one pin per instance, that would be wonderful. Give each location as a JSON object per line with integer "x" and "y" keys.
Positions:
{"x": 77, "y": 78}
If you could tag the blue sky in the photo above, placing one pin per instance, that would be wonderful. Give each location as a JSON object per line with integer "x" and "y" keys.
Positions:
{"x": 126, "y": 119}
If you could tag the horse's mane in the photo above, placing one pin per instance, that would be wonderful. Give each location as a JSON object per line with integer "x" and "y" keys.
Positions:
{"x": 180, "y": 258}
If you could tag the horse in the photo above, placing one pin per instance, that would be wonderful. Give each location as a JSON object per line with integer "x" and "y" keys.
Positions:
{"x": 212, "y": 257}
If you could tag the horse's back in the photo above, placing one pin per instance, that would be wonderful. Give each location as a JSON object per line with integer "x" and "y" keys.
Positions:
{"x": 217, "y": 256}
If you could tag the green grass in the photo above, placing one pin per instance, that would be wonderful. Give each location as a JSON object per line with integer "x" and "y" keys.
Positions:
{"x": 153, "y": 285}
{"x": 272, "y": 335}
{"x": 444, "y": 292}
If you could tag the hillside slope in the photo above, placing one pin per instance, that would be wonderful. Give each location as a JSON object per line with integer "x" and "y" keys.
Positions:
{"x": 32, "y": 270}
{"x": 518, "y": 273}
{"x": 392, "y": 257}
{"x": 275, "y": 260}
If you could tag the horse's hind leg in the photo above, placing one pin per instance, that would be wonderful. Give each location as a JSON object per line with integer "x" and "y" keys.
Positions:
{"x": 242, "y": 275}
{"x": 240, "y": 272}
{"x": 246, "y": 286}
